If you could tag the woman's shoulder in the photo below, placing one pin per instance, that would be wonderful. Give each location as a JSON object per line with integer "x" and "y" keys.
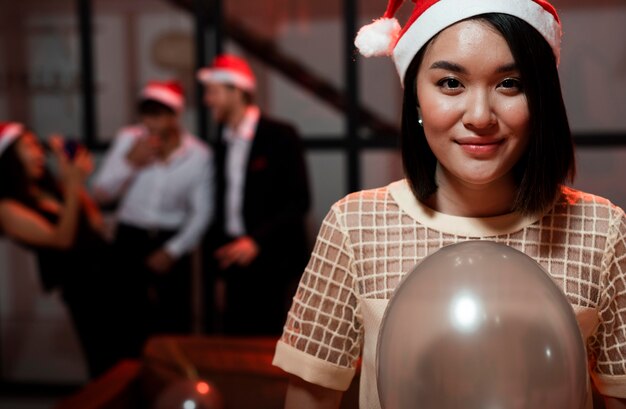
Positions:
{"x": 15, "y": 208}
{"x": 365, "y": 199}
{"x": 577, "y": 203}
{"x": 575, "y": 198}
{"x": 362, "y": 208}
{"x": 9, "y": 203}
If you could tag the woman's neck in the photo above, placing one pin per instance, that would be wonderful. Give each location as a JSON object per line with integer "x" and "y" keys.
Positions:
{"x": 457, "y": 198}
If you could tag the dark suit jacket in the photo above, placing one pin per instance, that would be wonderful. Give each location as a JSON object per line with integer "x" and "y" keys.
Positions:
{"x": 276, "y": 198}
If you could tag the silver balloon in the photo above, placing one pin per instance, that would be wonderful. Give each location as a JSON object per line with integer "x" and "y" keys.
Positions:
{"x": 189, "y": 394}
{"x": 480, "y": 325}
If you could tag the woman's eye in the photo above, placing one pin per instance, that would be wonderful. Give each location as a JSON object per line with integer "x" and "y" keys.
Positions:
{"x": 449, "y": 83}
{"x": 511, "y": 83}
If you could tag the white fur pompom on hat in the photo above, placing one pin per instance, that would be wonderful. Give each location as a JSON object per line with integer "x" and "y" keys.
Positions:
{"x": 378, "y": 38}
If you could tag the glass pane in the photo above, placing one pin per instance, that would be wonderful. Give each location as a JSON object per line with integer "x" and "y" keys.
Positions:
{"x": 327, "y": 176}
{"x": 39, "y": 76}
{"x": 380, "y": 167}
{"x": 592, "y": 64}
{"x": 114, "y": 102}
{"x": 54, "y": 74}
{"x": 305, "y": 33}
{"x": 136, "y": 42}
{"x": 380, "y": 92}
{"x": 600, "y": 171}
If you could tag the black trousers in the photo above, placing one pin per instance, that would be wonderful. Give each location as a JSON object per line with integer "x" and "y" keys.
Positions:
{"x": 256, "y": 297}
{"x": 254, "y": 301}
{"x": 98, "y": 326}
{"x": 92, "y": 302}
{"x": 155, "y": 303}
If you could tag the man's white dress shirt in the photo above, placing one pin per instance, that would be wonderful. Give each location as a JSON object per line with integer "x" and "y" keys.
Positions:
{"x": 175, "y": 194}
{"x": 238, "y": 143}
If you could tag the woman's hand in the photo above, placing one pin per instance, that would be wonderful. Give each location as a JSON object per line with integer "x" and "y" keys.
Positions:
{"x": 72, "y": 171}
{"x": 82, "y": 163}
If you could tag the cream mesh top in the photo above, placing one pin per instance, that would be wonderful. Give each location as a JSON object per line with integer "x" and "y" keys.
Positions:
{"x": 370, "y": 239}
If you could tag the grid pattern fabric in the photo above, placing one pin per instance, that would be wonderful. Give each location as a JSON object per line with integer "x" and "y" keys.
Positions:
{"x": 368, "y": 241}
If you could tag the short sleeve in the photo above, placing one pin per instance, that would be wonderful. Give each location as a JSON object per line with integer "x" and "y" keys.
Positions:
{"x": 321, "y": 342}
{"x": 608, "y": 346}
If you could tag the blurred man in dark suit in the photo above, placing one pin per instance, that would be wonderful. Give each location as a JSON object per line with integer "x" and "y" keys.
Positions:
{"x": 257, "y": 243}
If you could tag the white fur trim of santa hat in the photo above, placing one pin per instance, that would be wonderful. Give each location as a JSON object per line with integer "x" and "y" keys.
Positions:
{"x": 447, "y": 12}
{"x": 227, "y": 76}
{"x": 429, "y": 17}
{"x": 165, "y": 95}
{"x": 9, "y": 132}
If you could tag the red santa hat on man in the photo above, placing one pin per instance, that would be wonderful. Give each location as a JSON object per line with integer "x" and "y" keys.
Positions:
{"x": 230, "y": 70}
{"x": 9, "y": 132}
{"x": 168, "y": 93}
{"x": 385, "y": 36}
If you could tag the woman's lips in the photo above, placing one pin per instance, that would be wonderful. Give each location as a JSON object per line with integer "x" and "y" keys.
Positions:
{"x": 480, "y": 147}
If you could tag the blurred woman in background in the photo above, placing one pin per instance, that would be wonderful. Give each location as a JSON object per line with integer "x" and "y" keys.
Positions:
{"x": 58, "y": 221}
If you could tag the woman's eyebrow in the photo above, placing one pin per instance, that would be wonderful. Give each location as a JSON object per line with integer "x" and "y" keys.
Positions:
{"x": 507, "y": 68}
{"x": 450, "y": 66}
{"x": 454, "y": 67}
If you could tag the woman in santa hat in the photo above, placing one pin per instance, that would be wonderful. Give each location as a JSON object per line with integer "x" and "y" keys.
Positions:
{"x": 58, "y": 221}
{"x": 487, "y": 151}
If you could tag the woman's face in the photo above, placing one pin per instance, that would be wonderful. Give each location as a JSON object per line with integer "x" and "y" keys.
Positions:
{"x": 31, "y": 155}
{"x": 475, "y": 114}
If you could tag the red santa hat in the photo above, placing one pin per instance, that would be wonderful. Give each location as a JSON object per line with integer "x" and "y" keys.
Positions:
{"x": 231, "y": 70}
{"x": 9, "y": 132}
{"x": 169, "y": 93}
{"x": 385, "y": 36}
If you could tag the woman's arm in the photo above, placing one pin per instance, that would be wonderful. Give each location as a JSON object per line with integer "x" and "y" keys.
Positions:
{"x": 305, "y": 395}
{"x": 27, "y": 226}
{"x": 94, "y": 215}
{"x": 83, "y": 166}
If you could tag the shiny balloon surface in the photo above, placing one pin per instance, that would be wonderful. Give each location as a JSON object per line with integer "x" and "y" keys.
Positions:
{"x": 480, "y": 325}
{"x": 189, "y": 394}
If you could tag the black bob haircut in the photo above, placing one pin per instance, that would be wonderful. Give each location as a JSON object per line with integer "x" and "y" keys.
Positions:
{"x": 151, "y": 107}
{"x": 549, "y": 158}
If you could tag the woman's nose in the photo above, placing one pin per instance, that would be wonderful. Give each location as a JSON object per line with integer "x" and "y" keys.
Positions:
{"x": 479, "y": 112}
